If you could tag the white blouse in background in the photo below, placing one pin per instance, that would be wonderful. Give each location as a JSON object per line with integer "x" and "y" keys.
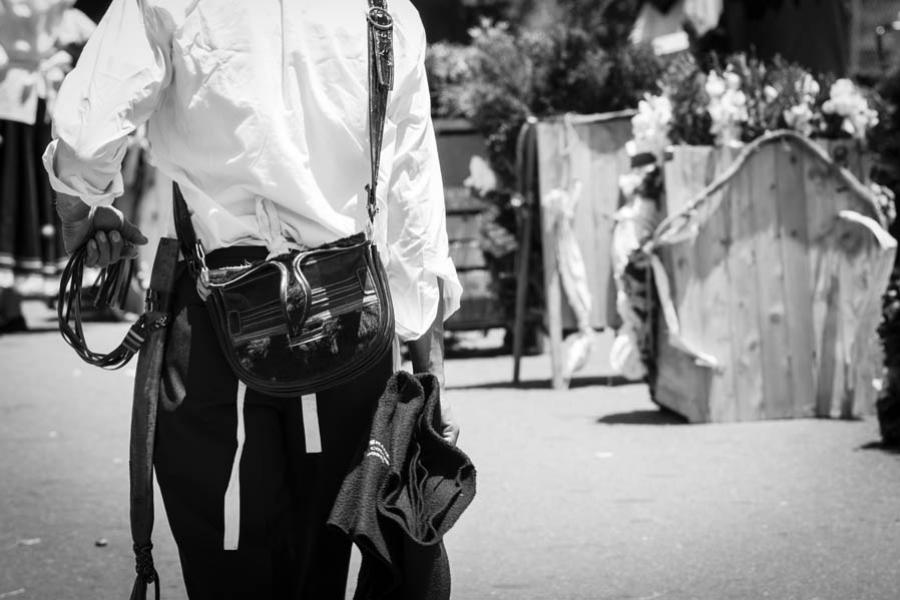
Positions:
{"x": 259, "y": 110}
{"x": 32, "y": 33}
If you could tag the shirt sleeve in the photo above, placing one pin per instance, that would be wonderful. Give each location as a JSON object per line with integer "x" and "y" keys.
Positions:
{"x": 117, "y": 84}
{"x": 418, "y": 249}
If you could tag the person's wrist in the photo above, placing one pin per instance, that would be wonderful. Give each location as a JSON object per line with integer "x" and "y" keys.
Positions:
{"x": 71, "y": 209}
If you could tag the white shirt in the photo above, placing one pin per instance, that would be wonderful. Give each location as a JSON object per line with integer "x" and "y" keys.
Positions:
{"x": 259, "y": 110}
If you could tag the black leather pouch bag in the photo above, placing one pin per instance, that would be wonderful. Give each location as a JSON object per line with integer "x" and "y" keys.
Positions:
{"x": 305, "y": 321}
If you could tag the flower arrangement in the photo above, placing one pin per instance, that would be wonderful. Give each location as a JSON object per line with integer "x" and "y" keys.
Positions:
{"x": 651, "y": 126}
{"x": 742, "y": 98}
{"x": 847, "y": 106}
{"x": 727, "y": 107}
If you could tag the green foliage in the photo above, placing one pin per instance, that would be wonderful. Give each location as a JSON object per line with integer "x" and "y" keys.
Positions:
{"x": 684, "y": 83}
{"x": 609, "y": 22}
{"x": 509, "y": 75}
{"x": 448, "y": 67}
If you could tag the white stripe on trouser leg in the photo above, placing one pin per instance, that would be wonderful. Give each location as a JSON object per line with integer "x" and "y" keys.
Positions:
{"x": 398, "y": 356}
{"x": 233, "y": 493}
{"x": 311, "y": 424}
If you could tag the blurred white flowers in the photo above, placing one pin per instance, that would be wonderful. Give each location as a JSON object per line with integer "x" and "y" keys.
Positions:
{"x": 800, "y": 118}
{"x": 744, "y": 99}
{"x": 809, "y": 87}
{"x": 650, "y": 126}
{"x": 482, "y": 178}
{"x": 727, "y": 107}
{"x": 845, "y": 100}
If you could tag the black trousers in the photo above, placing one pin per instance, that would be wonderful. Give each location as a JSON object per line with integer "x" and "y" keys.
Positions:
{"x": 285, "y": 549}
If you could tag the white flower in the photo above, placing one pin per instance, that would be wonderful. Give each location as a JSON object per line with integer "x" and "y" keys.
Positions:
{"x": 629, "y": 183}
{"x": 715, "y": 85}
{"x": 736, "y": 98}
{"x": 770, "y": 93}
{"x": 481, "y": 177}
{"x": 846, "y": 101}
{"x": 733, "y": 81}
{"x": 842, "y": 87}
{"x": 809, "y": 86}
{"x": 650, "y": 126}
{"x": 799, "y": 118}
{"x": 728, "y": 109}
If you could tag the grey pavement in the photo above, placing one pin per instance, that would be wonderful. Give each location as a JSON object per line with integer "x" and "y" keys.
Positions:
{"x": 585, "y": 494}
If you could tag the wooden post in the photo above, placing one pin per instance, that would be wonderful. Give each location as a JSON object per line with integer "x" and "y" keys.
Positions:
{"x": 523, "y": 273}
{"x": 526, "y": 157}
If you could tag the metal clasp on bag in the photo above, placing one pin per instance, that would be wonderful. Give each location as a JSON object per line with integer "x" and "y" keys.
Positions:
{"x": 201, "y": 257}
{"x": 200, "y": 271}
{"x": 196, "y": 263}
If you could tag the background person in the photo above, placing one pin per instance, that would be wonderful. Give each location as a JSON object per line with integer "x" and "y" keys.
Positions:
{"x": 37, "y": 42}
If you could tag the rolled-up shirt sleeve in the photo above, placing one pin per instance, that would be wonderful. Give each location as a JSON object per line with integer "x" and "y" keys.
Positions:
{"x": 117, "y": 84}
{"x": 418, "y": 248}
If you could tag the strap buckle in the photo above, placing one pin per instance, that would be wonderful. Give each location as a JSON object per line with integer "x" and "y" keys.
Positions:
{"x": 197, "y": 262}
{"x": 152, "y": 301}
{"x": 380, "y": 18}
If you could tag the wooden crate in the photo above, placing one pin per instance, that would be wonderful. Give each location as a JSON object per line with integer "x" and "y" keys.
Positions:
{"x": 589, "y": 149}
{"x": 768, "y": 279}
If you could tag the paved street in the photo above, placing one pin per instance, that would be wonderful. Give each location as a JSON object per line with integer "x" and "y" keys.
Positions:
{"x": 586, "y": 494}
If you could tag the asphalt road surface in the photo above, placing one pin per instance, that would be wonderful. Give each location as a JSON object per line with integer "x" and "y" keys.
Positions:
{"x": 586, "y": 494}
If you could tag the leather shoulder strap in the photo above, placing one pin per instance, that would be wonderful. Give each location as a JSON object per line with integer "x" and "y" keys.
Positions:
{"x": 381, "y": 81}
{"x": 184, "y": 229}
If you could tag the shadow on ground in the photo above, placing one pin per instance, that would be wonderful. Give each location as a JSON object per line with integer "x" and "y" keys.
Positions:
{"x": 643, "y": 417}
{"x": 881, "y": 447}
{"x": 462, "y": 352}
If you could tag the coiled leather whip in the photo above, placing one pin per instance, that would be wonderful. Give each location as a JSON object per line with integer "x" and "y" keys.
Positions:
{"x": 109, "y": 290}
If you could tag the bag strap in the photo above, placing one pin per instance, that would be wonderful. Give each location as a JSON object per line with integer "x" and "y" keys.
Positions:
{"x": 381, "y": 82}
{"x": 191, "y": 247}
{"x": 380, "y": 26}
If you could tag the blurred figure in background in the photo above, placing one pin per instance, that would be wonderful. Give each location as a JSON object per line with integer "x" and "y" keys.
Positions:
{"x": 39, "y": 41}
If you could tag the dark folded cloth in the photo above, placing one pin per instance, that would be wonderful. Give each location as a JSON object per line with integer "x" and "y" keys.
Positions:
{"x": 407, "y": 491}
